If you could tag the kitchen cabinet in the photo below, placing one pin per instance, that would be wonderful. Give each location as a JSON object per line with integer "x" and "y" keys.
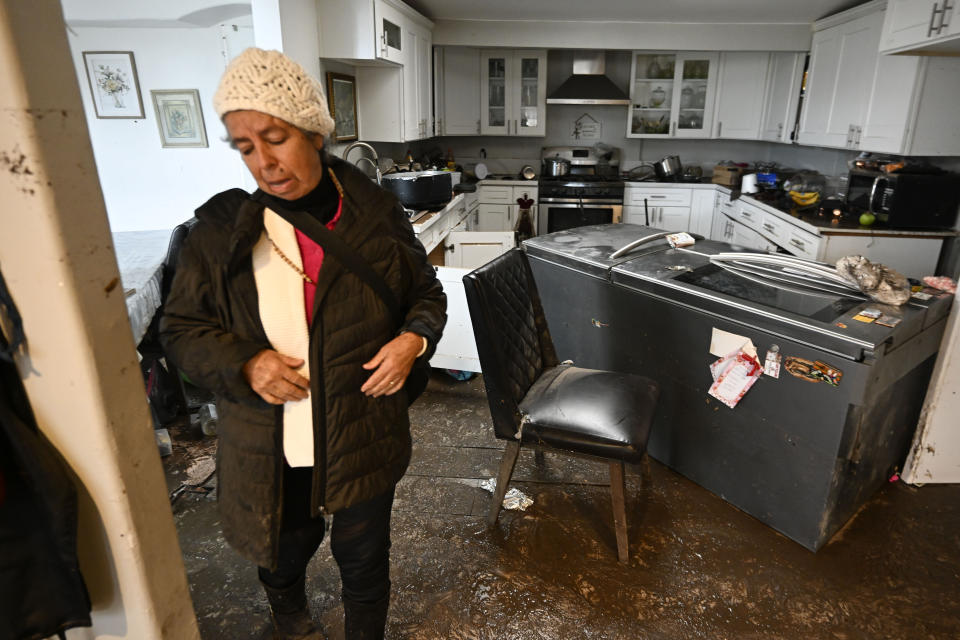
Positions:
{"x": 498, "y": 209}
{"x": 457, "y": 87}
{"x": 842, "y": 61}
{"x": 701, "y": 211}
{"x": 661, "y": 207}
{"x": 672, "y": 95}
{"x": 417, "y": 76}
{"x": 394, "y": 79}
{"x": 921, "y": 27}
{"x": 783, "y": 96}
{"x": 741, "y": 90}
{"x": 860, "y": 99}
{"x": 364, "y": 30}
{"x": 513, "y": 92}
{"x": 472, "y": 249}
{"x": 666, "y": 218}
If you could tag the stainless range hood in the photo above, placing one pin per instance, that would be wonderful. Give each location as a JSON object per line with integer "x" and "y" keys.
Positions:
{"x": 588, "y": 84}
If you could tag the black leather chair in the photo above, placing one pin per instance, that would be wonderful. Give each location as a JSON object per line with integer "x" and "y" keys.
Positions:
{"x": 186, "y": 397}
{"x": 537, "y": 400}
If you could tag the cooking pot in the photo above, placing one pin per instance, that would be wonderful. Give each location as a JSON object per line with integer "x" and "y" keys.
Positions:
{"x": 556, "y": 166}
{"x": 668, "y": 168}
{"x": 420, "y": 190}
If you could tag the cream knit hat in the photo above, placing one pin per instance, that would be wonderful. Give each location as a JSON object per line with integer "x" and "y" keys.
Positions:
{"x": 272, "y": 83}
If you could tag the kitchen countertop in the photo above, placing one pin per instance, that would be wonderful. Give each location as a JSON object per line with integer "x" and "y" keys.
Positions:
{"x": 509, "y": 180}
{"x": 807, "y": 219}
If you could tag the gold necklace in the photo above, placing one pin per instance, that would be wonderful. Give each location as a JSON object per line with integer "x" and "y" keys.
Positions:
{"x": 283, "y": 256}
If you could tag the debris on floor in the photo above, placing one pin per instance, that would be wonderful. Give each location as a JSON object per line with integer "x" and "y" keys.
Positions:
{"x": 514, "y": 498}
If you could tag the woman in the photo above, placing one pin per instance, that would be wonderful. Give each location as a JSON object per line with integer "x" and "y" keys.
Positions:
{"x": 306, "y": 360}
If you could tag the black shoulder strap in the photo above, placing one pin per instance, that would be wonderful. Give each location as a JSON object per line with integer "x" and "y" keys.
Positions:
{"x": 335, "y": 246}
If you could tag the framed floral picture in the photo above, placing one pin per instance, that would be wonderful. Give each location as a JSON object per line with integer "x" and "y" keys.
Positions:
{"x": 114, "y": 87}
{"x": 342, "y": 96}
{"x": 179, "y": 117}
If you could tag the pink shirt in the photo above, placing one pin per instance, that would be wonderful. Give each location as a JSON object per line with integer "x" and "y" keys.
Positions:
{"x": 312, "y": 256}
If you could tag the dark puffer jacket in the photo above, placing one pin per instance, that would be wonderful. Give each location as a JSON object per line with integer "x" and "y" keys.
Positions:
{"x": 211, "y": 327}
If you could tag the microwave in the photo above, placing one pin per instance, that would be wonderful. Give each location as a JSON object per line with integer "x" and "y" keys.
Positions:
{"x": 906, "y": 200}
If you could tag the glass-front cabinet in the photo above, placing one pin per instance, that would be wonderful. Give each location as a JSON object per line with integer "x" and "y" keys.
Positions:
{"x": 513, "y": 92}
{"x": 672, "y": 95}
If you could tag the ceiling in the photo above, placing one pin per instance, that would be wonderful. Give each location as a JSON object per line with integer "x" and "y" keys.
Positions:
{"x": 726, "y": 11}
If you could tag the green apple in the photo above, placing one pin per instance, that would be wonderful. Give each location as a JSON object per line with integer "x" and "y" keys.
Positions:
{"x": 867, "y": 219}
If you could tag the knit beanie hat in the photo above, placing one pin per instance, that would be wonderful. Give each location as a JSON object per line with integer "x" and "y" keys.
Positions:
{"x": 272, "y": 83}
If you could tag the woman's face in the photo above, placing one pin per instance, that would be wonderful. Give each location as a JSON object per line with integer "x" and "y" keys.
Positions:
{"x": 285, "y": 162}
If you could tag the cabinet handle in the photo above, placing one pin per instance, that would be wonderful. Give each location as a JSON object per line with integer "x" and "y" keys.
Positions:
{"x": 768, "y": 227}
{"x": 933, "y": 17}
{"x": 719, "y": 128}
{"x": 945, "y": 16}
{"x": 656, "y": 196}
{"x": 746, "y": 214}
{"x": 673, "y": 128}
{"x": 857, "y": 131}
{"x": 849, "y": 136}
{"x": 798, "y": 243}
{"x": 478, "y": 127}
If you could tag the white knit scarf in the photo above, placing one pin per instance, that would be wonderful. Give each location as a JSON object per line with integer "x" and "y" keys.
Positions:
{"x": 280, "y": 294}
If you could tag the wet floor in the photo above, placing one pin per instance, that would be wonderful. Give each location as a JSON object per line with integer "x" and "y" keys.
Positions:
{"x": 699, "y": 568}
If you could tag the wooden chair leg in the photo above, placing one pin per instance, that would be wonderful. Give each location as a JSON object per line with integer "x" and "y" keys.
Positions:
{"x": 618, "y": 497}
{"x": 509, "y": 459}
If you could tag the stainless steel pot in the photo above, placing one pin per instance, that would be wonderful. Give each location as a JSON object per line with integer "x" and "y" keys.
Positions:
{"x": 420, "y": 189}
{"x": 556, "y": 166}
{"x": 668, "y": 167}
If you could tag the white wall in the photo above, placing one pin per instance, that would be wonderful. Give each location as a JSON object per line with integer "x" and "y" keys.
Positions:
{"x": 144, "y": 185}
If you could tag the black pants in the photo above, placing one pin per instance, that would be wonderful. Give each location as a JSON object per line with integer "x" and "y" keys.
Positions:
{"x": 359, "y": 540}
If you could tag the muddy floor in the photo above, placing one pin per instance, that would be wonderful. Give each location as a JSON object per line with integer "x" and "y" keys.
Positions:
{"x": 699, "y": 568}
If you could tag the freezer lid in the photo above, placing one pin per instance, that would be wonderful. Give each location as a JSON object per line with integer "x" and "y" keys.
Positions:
{"x": 588, "y": 249}
{"x": 826, "y": 321}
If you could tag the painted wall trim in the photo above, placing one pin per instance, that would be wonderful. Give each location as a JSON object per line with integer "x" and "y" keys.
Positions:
{"x": 668, "y": 36}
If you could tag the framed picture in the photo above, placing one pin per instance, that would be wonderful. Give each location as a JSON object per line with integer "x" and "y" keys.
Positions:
{"x": 113, "y": 84}
{"x": 179, "y": 117}
{"x": 342, "y": 96}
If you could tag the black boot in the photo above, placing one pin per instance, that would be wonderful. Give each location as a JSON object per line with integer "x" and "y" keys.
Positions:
{"x": 291, "y": 617}
{"x": 365, "y": 621}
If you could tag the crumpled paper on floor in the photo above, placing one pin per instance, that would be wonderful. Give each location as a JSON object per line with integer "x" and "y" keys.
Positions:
{"x": 514, "y": 498}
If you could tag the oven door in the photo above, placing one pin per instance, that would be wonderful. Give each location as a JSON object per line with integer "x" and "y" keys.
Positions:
{"x": 557, "y": 214}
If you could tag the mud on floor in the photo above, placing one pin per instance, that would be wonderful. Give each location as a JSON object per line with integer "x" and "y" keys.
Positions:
{"x": 699, "y": 568}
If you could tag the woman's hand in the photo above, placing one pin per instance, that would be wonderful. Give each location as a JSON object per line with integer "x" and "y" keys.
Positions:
{"x": 392, "y": 365}
{"x": 273, "y": 376}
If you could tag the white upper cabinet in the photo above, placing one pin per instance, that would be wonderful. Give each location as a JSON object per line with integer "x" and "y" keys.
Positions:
{"x": 392, "y": 43}
{"x": 457, "y": 91}
{"x": 389, "y": 24}
{"x": 363, "y": 29}
{"x": 859, "y": 99}
{"x": 783, "y": 96}
{"x": 513, "y": 92}
{"x": 741, "y": 91}
{"x": 672, "y": 95}
{"x": 921, "y": 27}
{"x": 842, "y": 61}
{"x": 417, "y": 76}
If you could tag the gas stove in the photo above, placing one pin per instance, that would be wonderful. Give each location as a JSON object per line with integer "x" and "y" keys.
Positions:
{"x": 591, "y": 193}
